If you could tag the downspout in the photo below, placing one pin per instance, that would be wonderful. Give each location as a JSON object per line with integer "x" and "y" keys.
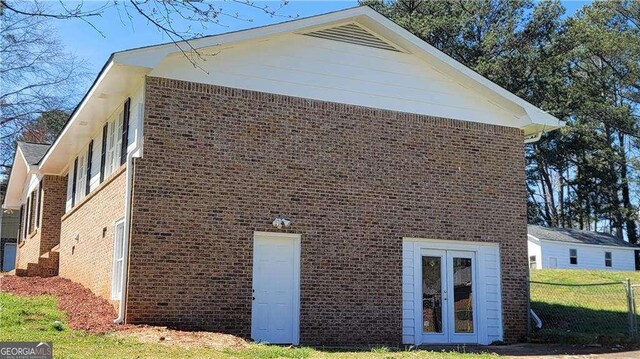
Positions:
{"x": 136, "y": 152}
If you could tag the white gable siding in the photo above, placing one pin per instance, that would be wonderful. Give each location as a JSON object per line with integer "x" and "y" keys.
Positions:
{"x": 303, "y": 66}
{"x": 589, "y": 256}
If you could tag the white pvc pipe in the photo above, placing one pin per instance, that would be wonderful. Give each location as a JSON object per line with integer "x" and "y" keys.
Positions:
{"x": 136, "y": 152}
{"x": 536, "y": 319}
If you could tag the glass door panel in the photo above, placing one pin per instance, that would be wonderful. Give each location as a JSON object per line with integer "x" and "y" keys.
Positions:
{"x": 461, "y": 271}
{"x": 462, "y": 295}
{"x": 434, "y": 296}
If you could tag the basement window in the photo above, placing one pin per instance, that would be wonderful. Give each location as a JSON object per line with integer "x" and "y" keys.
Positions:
{"x": 608, "y": 261}
{"x": 573, "y": 256}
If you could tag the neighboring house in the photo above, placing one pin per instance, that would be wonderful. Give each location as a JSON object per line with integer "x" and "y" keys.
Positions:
{"x": 578, "y": 249}
{"x": 9, "y": 224}
{"x": 315, "y": 181}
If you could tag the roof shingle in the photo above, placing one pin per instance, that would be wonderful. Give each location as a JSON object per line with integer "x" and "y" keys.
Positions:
{"x": 576, "y": 236}
{"x": 33, "y": 152}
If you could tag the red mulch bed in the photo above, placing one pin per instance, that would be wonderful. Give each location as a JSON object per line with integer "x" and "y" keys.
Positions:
{"x": 85, "y": 310}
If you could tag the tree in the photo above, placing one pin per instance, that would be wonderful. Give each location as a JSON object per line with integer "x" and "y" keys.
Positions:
{"x": 37, "y": 76}
{"x": 45, "y": 128}
{"x": 581, "y": 68}
{"x": 168, "y": 17}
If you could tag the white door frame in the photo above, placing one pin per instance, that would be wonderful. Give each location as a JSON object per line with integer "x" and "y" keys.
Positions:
{"x": 480, "y": 249}
{"x": 296, "y": 238}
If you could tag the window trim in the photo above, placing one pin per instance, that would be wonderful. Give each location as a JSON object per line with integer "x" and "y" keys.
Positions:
{"x": 573, "y": 257}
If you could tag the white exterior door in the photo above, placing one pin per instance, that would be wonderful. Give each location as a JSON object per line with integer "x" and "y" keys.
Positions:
{"x": 448, "y": 302}
{"x": 275, "y": 312}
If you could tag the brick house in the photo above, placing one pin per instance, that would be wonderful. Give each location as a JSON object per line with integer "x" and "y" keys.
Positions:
{"x": 327, "y": 180}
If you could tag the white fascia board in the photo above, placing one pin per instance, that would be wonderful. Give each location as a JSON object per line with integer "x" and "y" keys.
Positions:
{"x": 15, "y": 185}
{"x": 573, "y": 244}
{"x": 151, "y": 56}
{"x": 534, "y": 239}
{"x": 78, "y": 109}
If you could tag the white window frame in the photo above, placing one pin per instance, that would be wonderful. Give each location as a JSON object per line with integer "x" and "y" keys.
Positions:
{"x": 110, "y": 153}
{"x": 118, "y": 260}
{"x": 610, "y": 259}
{"x": 533, "y": 262}
{"x": 114, "y": 145}
{"x": 571, "y": 257}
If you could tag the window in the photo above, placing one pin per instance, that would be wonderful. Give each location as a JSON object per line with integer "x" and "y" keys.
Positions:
{"x": 81, "y": 174}
{"x": 532, "y": 262}
{"x": 30, "y": 223}
{"x": 87, "y": 187}
{"x": 20, "y": 237}
{"x": 608, "y": 261}
{"x": 573, "y": 256}
{"x": 114, "y": 144}
{"x": 69, "y": 189}
{"x": 39, "y": 206}
{"x": 118, "y": 260}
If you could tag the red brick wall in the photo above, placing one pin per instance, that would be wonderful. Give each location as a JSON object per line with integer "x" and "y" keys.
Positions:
{"x": 221, "y": 163}
{"x": 36, "y": 248}
{"x": 88, "y": 260}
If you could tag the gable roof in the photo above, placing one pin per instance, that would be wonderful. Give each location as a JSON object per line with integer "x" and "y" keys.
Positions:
{"x": 125, "y": 71}
{"x": 33, "y": 152}
{"x": 576, "y": 236}
{"x": 371, "y": 28}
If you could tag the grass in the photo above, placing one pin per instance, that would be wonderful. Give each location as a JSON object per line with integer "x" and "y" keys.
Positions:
{"x": 579, "y": 311}
{"x": 32, "y": 318}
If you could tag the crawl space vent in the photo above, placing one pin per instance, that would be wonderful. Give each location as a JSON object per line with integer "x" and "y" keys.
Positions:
{"x": 353, "y": 34}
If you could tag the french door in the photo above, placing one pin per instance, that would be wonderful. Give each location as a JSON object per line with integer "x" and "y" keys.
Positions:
{"x": 448, "y": 300}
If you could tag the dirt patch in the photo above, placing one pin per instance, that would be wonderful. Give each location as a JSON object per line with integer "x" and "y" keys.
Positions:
{"x": 85, "y": 310}
{"x": 89, "y": 312}
{"x": 183, "y": 339}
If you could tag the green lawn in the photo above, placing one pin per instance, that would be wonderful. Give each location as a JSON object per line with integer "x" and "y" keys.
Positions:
{"x": 579, "y": 310}
{"x": 31, "y": 319}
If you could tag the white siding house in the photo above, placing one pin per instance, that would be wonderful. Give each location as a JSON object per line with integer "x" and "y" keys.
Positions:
{"x": 577, "y": 249}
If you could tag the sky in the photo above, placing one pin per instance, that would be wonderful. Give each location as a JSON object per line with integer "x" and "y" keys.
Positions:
{"x": 114, "y": 32}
